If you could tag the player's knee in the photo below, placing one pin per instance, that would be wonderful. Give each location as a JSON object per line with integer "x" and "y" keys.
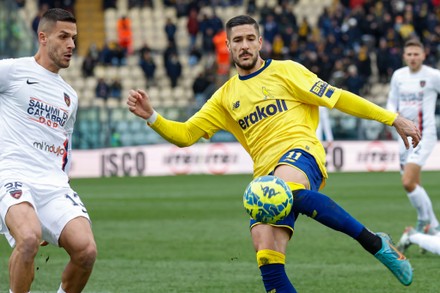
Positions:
{"x": 27, "y": 245}
{"x": 86, "y": 257}
{"x": 408, "y": 184}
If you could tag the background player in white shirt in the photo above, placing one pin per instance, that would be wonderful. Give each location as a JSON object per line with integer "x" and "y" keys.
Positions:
{"x": 413, "y": 93}
{"x": 324, "y": 130}
{"x": 37, "y": 114}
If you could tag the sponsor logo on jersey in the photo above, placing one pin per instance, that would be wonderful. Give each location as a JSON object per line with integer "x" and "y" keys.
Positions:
{"x": 47, "y": 114}
{"x": 320, "y": 88}
{"x": 261, "y": 113}
{"x": 57, "y": 150}
{"x": 67, "y": 99}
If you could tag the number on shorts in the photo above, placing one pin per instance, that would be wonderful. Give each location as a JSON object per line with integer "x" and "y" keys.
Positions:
{"x": 76, "y": 202}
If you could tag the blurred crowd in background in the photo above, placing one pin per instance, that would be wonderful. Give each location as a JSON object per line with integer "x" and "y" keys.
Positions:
{"x": 353, "y": 44}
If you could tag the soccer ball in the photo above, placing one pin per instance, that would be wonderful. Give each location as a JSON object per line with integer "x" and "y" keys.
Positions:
{"x": 268, "y": 199}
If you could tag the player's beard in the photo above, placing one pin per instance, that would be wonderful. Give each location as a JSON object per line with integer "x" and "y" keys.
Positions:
{"x": 247, "y": 66}
{"x": 57, "y": 60}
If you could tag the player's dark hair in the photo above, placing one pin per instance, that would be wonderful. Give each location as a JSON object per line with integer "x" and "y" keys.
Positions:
{"x": 414, "y": 42}
{"x": 51, "y": 16}
{"x": 241, "y": 20}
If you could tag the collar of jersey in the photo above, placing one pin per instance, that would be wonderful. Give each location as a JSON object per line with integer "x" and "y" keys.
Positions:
{"x": 266, "y": 63}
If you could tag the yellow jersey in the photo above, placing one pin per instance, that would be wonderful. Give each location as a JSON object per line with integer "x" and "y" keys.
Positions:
{"x": 270, "y": 112}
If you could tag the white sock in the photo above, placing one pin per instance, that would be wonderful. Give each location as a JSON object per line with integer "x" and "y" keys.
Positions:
{"x": 432, "y": 218}
{"x": 60, "y": 290}
{"x": 418, "y": 197}
{"x": 429, "y": 242}
{"x": 426, "y": 201}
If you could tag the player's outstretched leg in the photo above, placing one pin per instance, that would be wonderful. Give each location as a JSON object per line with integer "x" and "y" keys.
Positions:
{"x": 395, "y": 261}
{"x": 324, "y": 210}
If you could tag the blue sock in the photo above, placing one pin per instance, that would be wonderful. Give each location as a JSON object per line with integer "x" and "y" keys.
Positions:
{"x": 324, "y": 210}
{"x": 275, "y": 278}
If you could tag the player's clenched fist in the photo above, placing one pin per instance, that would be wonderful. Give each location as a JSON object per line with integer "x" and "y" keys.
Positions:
{"x": 139, "y": 104}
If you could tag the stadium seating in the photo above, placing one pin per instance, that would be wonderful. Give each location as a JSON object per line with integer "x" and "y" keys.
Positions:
{"x": 148, "y": 28}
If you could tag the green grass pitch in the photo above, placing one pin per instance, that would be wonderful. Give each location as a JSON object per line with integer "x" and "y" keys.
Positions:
{"x": 190, "y": 234}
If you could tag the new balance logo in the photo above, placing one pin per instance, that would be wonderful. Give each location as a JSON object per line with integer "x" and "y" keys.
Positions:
{"x": 31, "y": 82}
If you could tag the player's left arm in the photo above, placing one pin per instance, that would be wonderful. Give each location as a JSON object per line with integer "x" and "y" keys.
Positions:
{"x": 354, "y": 105}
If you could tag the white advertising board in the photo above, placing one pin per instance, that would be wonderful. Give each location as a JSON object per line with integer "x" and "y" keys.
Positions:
{"x": 228, "y": 158}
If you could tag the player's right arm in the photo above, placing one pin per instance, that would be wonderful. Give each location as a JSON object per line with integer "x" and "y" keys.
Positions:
{"x": 179, "y": 133}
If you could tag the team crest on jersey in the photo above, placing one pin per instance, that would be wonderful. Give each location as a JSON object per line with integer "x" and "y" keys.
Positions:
{"x": 67, "y": 99}
{"x": 266, "y": 93}
{"x": 16, "y": 193}
{"x": 422, "y": 83}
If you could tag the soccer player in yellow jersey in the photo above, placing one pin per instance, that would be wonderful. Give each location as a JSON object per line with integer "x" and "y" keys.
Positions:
{"x": 271, "y": 107}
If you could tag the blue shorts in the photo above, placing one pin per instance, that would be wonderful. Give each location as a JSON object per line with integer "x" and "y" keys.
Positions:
{"x": 306, "y": 163}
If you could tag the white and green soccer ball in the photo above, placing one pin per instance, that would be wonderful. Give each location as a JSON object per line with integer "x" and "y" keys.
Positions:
{"x": 268, "y": 199}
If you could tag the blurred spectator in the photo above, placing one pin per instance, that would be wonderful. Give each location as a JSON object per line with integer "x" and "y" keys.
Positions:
{"x": 94, "y": 52}
{"x": 354, "y": 82}
{"x": 304, "y": 29}
{"x": 88, "y": 65}
{"x": 194, "y": 56}
{"x": 200, "y": 84}
{"x": 107, "y": 53}
{"x": 140, "y": 3}
{"x": 251, "y": 7}
{"x": 363, "y": 63}
{"x": 148, "y": 67}
{"x": 383, "y": 60}
{"x": 170, "y": 30}
{"x": 265, "y": 10}
{"x": 173, "y": 69}
{"x": 277, "y": 47}
{"x": 113, "y": 54}
{"x": 169, "y": 50}
{"x": 109, "y": 4}
{"x": 270, "y": 29}
{"x": 206, "y": 27}
{"x": 145, "y": 48}
{"x": 102, "y": 89}
{"x": 181, "y": 7}
{"x": 116, "y": 89}
{"x": 325, "y": 22}
{"x": 203, "y": 88}
{"x": 222, "y": 57}
{"x": 125, "y": 34}
{"x": 337, "y": 78}
{"x": 192, "y": 26}
{"x": 43, "y": 8}
{"x": 20, "y": 3}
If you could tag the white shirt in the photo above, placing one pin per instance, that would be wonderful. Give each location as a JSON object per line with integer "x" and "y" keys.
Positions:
{"x": 414, "y": 96}
{"x": 37, "y": 114}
